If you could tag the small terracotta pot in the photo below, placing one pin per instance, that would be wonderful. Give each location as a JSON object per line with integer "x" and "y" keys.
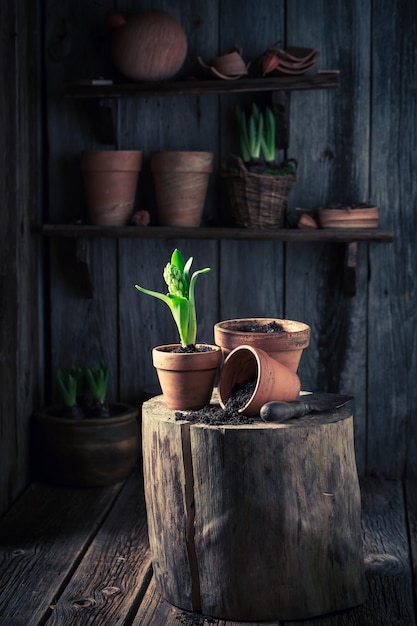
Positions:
{"x": 274, "y": 381}
{"x": 286, "y": 347}
{"x": 180, "y": 181}
{"x": 186, "y": 378}
{"x": 110, "y": 180}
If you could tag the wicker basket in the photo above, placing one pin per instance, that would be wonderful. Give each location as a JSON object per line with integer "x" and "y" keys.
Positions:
{"x": 257, "y": 200}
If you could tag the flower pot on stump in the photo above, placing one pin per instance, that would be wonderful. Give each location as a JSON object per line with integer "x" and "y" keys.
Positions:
{"x": 186, "y": 378}
{"x": 273, "y": 380}
{"x": 286, "y": 346}
{"x": 180, "y": 181}
{"x": 110, "y": 180}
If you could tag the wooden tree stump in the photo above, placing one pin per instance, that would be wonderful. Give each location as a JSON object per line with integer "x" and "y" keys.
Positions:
{"x": 254, "y": 522}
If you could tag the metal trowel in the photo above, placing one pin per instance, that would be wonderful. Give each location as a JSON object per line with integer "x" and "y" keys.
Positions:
{"x": 318, "y": 401}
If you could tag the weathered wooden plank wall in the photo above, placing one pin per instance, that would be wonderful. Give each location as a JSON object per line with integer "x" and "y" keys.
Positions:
{"x": 20, "y": 355}
{"x": 352, "y": 144}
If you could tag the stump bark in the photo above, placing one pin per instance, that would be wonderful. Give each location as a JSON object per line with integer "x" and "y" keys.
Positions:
{"x": 254, "y": 522}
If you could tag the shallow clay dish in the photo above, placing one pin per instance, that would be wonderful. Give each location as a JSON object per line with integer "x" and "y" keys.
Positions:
{"x": 353, "y": 218}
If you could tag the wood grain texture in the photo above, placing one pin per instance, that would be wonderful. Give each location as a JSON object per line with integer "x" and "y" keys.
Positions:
{"x": 272, "y": 524}
{"x": 115, "y": 570}
{"x": 392, "y": 286}
{"x": 167, "y": 476}
{"x": 329, "y": 135}
{"x": 43, "y": 538}
{"x": 20, "y": 247}
{"x": 387, "y": 569}
{"x": 82, "y": 331}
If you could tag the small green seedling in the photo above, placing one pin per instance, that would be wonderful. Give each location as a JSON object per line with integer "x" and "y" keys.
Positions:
{"x": 67, "y": 386}
{"x": 97, "y": 379}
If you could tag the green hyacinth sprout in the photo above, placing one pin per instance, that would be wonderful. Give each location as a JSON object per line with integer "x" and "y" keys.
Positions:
{"x": 180, "y": 297}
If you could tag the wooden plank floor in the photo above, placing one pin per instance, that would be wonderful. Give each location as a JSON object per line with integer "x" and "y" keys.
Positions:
{"x": 81, "y": 557}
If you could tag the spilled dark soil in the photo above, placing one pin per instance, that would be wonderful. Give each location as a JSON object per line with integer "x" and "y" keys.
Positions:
{"x": 214, "y": 415}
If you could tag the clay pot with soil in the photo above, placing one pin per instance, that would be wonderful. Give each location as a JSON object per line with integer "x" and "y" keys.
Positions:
{"x": 85, "y": 441}
{"x": 271, "y": 379}
{"x": 284, "y": 340}
{"x": 186, "y": 371}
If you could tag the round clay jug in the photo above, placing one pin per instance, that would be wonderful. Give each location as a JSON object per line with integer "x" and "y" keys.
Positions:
{"x": 186, "y": 378}
{"x": 110, "y": 180}
{"x": 285, "y": 346}
{"x": 274, "y": 381}
{"x": 150, "y": 46}
{"x": 180, "y": 181}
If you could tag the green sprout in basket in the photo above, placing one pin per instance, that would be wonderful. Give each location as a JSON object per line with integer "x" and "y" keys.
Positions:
{"x": 180, "y": 297}
{"x": 256, "y": 134}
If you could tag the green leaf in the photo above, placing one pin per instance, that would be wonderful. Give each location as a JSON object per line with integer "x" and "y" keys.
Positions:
{"x": 178, "y": 260}
{"x": 268, "y": 142}
{"x": 67, "y": 386}
{"x": 97, "y": 378}
{"x": 181, "y": 301}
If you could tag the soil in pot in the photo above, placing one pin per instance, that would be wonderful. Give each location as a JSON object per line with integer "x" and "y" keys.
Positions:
{"x": 284, "y": 340}
{"x": 186, "y": 375}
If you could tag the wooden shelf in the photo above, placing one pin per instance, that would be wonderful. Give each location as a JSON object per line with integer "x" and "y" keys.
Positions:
{"x": 342, "y": 235}
{"x": 322, "y": 80}
{"x": 348, "y": 236}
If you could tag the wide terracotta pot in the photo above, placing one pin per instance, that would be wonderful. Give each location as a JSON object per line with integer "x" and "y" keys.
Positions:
{"x": 286, "y": 346}
{"x": 186, "y": 379}
{"x": 110, "y": 181}
{"x": 180, "y": 182}
{"x": 274, "y": 381}
{"x": 91, "y": 452}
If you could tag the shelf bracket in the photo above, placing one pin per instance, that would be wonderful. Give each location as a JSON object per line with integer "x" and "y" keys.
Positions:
{"x": 281, "y": 109}
{"x": 349, "y": 278}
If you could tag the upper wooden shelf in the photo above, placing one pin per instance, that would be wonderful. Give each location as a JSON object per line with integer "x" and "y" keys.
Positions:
{"x": 343, "y": 235}
{"x": 320, "y": 80}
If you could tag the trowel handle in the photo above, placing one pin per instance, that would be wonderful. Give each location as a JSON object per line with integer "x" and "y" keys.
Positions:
{"x": 283, "y": 411}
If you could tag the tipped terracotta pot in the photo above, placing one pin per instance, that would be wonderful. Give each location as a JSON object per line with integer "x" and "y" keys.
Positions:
{"x": 274, "y": 381}
{"x": 110, "y": 180}
{"x": 180, "y": 181}
{"x": 186, "y": 378}
{"x": 286, "y": 346}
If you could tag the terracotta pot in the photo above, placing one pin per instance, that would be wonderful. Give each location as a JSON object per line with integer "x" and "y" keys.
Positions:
{"x": 186, "y": 379}
{"x": 110, "y": 180}
{"x": 150, "y": 46}
{"x": 90, "y": 452}
{"x": 180, "y": 181}
{"x": 274, "y": 381}
{"x": 286, "y": 347}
